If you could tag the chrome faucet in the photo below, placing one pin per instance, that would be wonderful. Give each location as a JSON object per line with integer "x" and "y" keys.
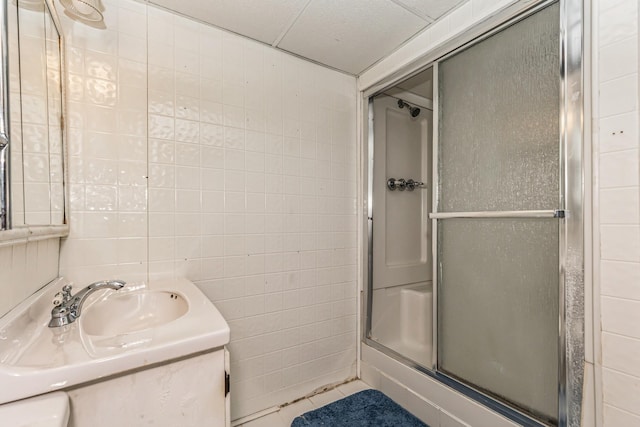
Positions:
{"x": 68, "y": 307}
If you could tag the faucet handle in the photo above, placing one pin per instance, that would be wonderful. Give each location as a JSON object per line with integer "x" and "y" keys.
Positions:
{"x": 57, "y": 299}
{"x": 63, "y": 296}
{"x": 66, "y": 292}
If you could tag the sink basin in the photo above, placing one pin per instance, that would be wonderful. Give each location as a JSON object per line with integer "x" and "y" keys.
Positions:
{"x": 139, "y": 325}
{"x": 118, "y": 314}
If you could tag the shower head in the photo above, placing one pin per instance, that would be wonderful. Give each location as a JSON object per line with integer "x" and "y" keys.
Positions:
{"x": 413, "y": 111}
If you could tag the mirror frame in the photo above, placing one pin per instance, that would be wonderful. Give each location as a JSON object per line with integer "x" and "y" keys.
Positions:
{"x": 26, "y": 233}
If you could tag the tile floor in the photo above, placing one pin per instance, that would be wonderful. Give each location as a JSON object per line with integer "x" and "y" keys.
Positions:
{"x": 285, "y": 416}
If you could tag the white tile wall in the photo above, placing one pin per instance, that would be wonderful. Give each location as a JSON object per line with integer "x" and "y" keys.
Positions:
{"x": 25, "y": 268}
{"x": 198, "y": 153}
{"x": 107, "y": 135}
{"x": 616, "y": 120}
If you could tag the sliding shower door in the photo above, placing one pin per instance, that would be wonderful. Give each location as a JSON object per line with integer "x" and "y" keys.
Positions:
{"x": 498, "y": 214}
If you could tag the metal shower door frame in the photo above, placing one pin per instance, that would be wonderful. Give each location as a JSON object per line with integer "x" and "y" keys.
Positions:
{"x": 570, "y": 211}
{"x": 5, "y": 126}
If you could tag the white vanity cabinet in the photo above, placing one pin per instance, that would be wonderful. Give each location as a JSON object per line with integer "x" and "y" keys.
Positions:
{"x": 147, "y": 354}
{"x": 188, "y": 392}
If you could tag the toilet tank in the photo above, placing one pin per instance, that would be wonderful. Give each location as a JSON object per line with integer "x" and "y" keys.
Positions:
{"x": 47, "y": 410}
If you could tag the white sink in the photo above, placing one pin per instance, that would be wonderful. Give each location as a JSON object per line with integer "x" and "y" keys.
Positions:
{"x": 50, "y": 410}
{"x": 121, "y": 313}
{"x": 141, "y": 324}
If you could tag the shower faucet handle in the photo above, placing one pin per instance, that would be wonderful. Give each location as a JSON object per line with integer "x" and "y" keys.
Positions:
{"x": 396, "y": 184}
{"x": 412, "y": 185}
{"x": 402, "y": 184}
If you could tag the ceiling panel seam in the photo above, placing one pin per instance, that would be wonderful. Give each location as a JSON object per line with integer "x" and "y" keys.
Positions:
{"x": 427, "y": 18}
{"x": 290, "y": 24}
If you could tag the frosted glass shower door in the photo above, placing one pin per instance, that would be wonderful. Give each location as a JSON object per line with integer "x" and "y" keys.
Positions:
{"x": 497, "y": 237}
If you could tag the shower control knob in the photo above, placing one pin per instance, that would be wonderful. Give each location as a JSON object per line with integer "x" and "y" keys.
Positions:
{"x": 397, "y": 184}
{"x": 391, "y": 184}
{"x": 411, "y": 184}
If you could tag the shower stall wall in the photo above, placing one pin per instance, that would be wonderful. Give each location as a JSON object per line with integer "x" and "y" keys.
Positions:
{"x": 402, "y": 288}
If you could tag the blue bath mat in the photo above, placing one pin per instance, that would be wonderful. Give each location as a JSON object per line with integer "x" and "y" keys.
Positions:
{"x": 368, "y": 408}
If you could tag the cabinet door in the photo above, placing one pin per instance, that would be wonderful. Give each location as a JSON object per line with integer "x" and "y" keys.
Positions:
{"x": 186, "y": 393}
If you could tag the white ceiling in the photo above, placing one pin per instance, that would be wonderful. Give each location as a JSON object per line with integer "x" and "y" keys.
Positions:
{"x": 350, "y": 35}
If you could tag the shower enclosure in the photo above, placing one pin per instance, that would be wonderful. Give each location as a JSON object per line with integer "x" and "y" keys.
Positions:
{"x": 475, "y": 269}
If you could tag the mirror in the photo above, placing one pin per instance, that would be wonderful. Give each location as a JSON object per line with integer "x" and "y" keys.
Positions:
{"x": 35, "y": 115}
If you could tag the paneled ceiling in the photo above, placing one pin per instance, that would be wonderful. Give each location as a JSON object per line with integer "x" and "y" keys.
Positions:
{"x": 350, "y": 35}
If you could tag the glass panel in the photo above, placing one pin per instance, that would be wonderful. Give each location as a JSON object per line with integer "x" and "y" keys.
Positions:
{"x": 498, "y": 308}
{"x": 499, "y": 120}
{"x": 499, "y": 138}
